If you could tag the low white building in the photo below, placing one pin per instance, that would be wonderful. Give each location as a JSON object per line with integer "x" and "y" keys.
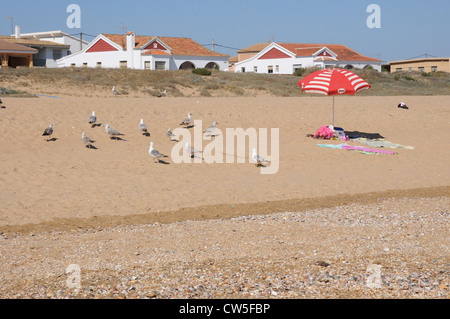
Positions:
{"x": 75, "y": 43}
{"x": 145, "y": 53}
{"x": 285, "y": 58}
{"x": 51, "y": 45}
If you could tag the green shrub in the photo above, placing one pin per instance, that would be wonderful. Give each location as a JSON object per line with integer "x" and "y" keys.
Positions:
{"x": 305, "y": 71}
{"x": 201, "y": 71}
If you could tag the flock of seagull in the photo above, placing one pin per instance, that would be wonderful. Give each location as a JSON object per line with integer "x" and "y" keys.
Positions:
{"x": 155, "y": 154}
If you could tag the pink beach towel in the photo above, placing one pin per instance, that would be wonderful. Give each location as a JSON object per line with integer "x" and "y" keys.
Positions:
{"x": 365, "y": 149}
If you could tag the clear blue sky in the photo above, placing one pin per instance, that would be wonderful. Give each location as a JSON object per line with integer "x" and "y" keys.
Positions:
{"x": 409, "y": 28}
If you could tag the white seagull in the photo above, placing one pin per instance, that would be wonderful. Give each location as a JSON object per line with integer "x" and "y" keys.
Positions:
{"x": 142, "y": 127}
{"x": 112, "y": 132}
{"x": 155, "y": 154}
{"x": 114, "y": 91}
{"x": 170, "y": 134}
{"x": 86, "y": 140}
{"x": 48, "y": 131}
{"x": 187, "y": 120}
{"x": 211, "y": 129}
{"x": 258, "y": 159}
{"x": 93, "y": 119}
{"x": 192, "y": 151}
{"x": 163, "y": 94}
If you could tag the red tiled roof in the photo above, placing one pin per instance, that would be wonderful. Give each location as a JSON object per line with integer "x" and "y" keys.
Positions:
{"x": 178, "y": 46}
{"x": 308, "y": 49}
{"x": 256, "y": 48}
{"x": 343, "y": 52}
{"x": 155, "y": 52}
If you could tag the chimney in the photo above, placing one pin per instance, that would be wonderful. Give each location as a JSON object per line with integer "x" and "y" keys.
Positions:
{"x": 17, "y": 31}
{"x": 131, "y": 41}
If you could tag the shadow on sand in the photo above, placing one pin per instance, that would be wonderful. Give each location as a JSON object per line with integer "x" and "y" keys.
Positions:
{"x": 116, "y": 138}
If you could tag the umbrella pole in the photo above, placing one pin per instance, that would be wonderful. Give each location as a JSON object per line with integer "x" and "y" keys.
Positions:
{"x": 333, "y": 110}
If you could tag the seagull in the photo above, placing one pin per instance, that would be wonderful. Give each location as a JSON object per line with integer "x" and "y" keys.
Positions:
{"x": 170, "y": 134}
{"x": 258, "y": 159}
{"x": 115, "y": 92}
{"x": 93, "y": 119}
{"x": 112, "y": 132}
{"x": 142, "y": 127}
{"x": 48, "y": 131}
{"x": 163, "y": 94}
{"x": 154, "y": 153}
{"x": 2, "y": 106}
{"x": 192, "y": 151}
{"x": 211, "y": 129}
{"x": 187, "y": 120}
{"x": 86, "y": 140}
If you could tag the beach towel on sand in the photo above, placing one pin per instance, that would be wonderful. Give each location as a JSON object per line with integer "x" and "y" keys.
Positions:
{"x": 380, "y": 143}
{"x": 361, "y": 149}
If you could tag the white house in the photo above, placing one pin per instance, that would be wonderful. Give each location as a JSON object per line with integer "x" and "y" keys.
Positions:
{"x": 285, "y": 58}
{"x": 75, "y": 44}
{"x": 145, "y": 53}
{"x": 51, "y": 45}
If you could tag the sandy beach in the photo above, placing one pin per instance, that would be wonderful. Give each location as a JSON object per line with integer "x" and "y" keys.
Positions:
{"x": 140, "y": 229}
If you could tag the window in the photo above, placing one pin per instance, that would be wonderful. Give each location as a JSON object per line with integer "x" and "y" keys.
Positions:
{"x": 243, "y": 69}
{"x": 99, "y": 64}
{"x": 57, "y": 54}
{"x": 123, "y": 64}
{"x": 398, "y": 69}
{"x": 410, "y": 69}
{"x": 160, "y": 65}
{"x": 255, "y": 69}
{"x": 147, "y": 65}
{"x": 73, "y": 65}
{"x": 85, "y": 65}
{"x": 297, "y": 66}
{"x": 421, "y": 69}
{"x": 270, "y": 69}
{"x": 277, "y": 68}
{"x": 434, "y": 69}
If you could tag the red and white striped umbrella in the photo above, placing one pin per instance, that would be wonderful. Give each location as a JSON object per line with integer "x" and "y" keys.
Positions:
{"x": 333, "y": 82}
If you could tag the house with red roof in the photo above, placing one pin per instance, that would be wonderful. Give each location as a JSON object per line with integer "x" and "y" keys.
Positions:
{"x": 285, "y": 58}
{"x": 145, "y": 53}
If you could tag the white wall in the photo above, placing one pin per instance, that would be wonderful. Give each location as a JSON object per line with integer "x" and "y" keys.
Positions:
{"x": 286, "y": 66}
{"x": 108, "y": 59}
{"x": 137, "y": 61}
{"x": 45, "y": 57}
{"x": 360, "y": 64}
{"x": 74, "y": 43}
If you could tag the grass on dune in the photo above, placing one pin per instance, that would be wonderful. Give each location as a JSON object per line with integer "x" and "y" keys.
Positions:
{"x": 185, "y": 83}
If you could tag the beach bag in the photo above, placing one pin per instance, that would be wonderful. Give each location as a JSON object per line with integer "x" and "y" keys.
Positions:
{"x": 324, "y": 132}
